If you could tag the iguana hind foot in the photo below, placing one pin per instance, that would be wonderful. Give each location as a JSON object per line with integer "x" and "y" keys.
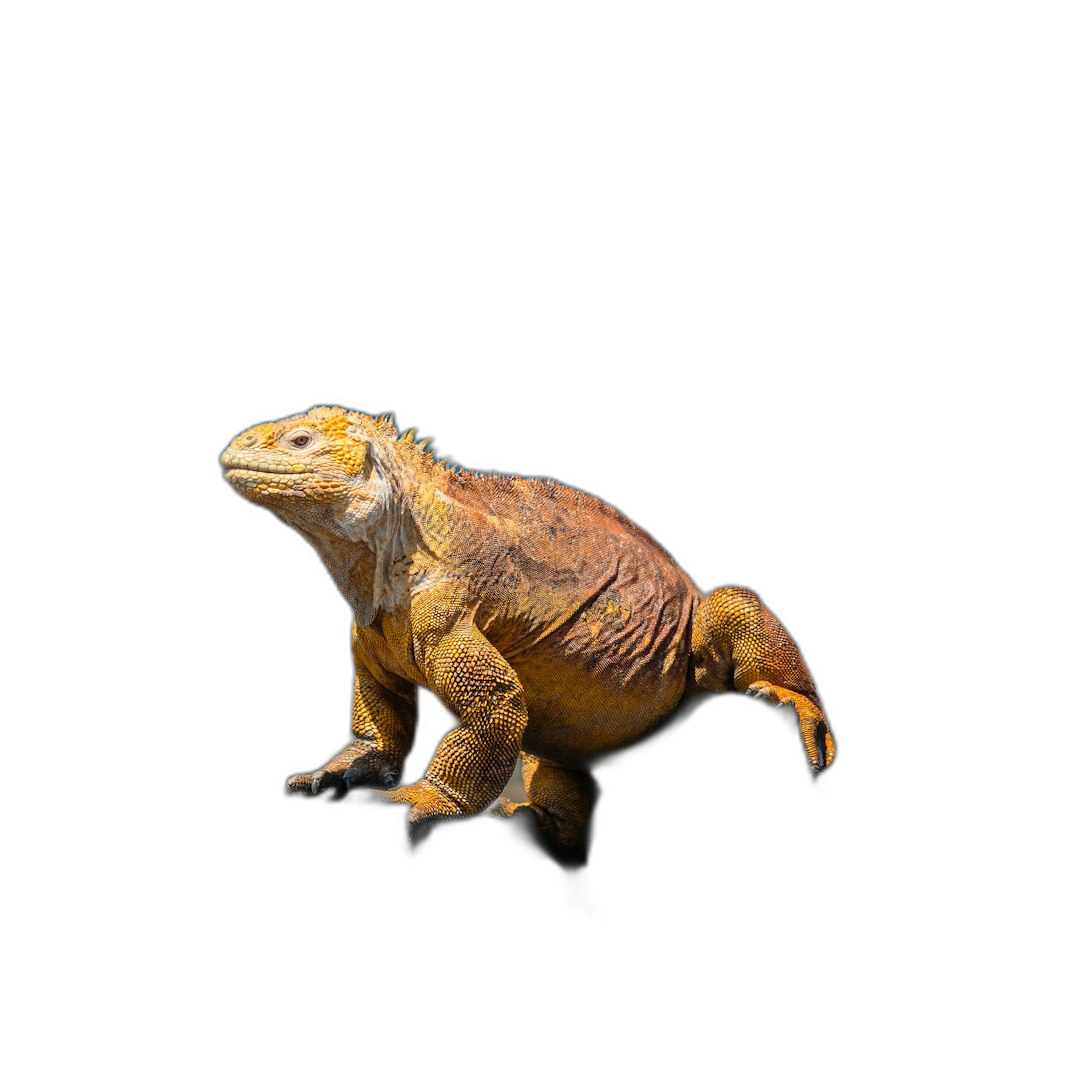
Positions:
{"x": 561, "y": 801}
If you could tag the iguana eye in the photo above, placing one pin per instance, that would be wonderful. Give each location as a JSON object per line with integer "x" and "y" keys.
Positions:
{"x": 300, "y": 439}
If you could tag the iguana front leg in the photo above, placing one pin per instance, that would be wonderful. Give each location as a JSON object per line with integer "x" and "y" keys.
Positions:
{"x": 476, "y": 759}
{"x": 383, "y": 721}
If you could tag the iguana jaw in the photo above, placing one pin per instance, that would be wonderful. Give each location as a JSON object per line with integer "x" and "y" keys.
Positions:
{"x": 263, "y": 480}
{"x": 260, "y": 468}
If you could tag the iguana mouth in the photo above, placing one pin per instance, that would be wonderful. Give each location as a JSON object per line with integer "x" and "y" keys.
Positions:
{"x": 278, "y": 470}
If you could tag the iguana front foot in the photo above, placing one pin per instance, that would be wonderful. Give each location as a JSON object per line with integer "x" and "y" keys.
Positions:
{"x": 376, "y": 770}
{"x": 358, "y": 765}
{"x": 313, "y": 783}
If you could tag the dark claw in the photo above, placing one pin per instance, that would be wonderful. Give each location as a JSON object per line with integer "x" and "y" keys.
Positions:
{"x": 328, "y": 781}
{"x": 420, "y": 830}
{"x": 384, "y": 776}
{"x": 819, "y": 743}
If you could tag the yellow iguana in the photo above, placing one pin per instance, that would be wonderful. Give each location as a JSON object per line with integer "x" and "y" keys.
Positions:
{"x": 554, "y": 629}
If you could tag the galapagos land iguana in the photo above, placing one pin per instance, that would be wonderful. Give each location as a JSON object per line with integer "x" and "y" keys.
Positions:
{"x": 554, "y": 629}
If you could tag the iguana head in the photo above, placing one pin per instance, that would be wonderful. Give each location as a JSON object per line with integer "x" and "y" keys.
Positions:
{"x": 305, "y": 465}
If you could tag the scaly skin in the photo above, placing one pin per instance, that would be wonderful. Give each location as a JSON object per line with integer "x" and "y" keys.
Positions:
{"x": 550, "y": 625}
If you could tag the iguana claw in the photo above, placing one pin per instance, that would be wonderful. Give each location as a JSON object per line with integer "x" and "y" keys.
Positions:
{"x": 371, "y": 773}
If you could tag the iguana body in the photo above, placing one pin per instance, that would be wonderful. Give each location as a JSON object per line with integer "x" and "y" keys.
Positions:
{"x": 553, "y": 627}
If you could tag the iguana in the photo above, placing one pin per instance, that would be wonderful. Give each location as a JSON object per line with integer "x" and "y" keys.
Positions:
{"x": 553, "y": 628}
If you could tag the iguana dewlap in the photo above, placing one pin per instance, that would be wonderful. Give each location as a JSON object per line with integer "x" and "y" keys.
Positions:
{"x": 550, "y": 625}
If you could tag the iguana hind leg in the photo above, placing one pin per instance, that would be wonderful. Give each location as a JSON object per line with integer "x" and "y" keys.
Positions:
{"x": 562, "y": 799}
{"x": 738, "y": 643}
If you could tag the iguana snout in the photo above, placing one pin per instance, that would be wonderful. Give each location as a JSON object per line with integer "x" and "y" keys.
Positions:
{"x": 317, "y": 457}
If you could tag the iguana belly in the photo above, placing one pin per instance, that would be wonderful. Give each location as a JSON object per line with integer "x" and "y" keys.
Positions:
{"x": 604, "y": 670}
{"x": 573, "y": 715}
